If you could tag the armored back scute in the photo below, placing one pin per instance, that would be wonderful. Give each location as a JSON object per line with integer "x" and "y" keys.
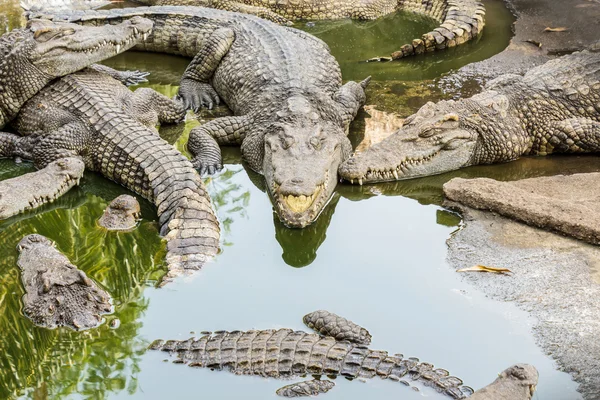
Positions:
{"x": 330, "y": 324}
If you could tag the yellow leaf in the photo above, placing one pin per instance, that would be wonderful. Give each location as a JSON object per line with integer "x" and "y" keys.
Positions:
{"x": 558, "y": 29}
{"x": 483, "y": 268}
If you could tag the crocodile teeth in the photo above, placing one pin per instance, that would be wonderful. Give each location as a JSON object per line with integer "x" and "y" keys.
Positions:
{"x": 395, "y": 173}
{"x": 118, "y": 48}
{"x": 145, "y": 36}
{"x": 360, "y": 181}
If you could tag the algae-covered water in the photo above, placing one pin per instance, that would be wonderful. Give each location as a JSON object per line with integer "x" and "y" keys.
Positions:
{"x": 376, "y": 255}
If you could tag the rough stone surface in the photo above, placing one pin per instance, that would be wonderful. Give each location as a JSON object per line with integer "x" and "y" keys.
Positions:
{"x": 515, "y": 383}
{"x": 121, "y": 214}
{"x": 329, "y": 324}
{"x": 554, "y": 278}
{"x": 566, "y": 204}
{"x": 57, "y": 293}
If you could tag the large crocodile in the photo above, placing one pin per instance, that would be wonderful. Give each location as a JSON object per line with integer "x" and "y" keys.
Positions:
{"x": 57, "y": 293}
{"x": 460, "y": 20}
{"x": 286, "y": 354}
{"x": 554, "y": 108}
{"x": 94, "y": 117}
{"x": 283, "y": 85}
{"x": 33, "y": 56}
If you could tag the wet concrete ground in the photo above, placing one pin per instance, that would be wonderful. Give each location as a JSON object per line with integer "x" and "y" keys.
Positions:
{"x": 554, "y": 279}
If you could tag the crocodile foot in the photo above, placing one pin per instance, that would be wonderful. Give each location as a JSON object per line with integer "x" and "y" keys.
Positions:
{"x": 196, "y": 95}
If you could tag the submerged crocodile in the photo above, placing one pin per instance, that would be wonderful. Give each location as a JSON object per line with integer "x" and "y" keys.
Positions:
{"x": 283, "y": 85}
{"x": 31, "y": 190}
{"x": 94, "y": 117}
{"x": 57, "y": 293}
{"x": 122, "y": 214}
{"x": 554, "y": 108}
{"x": 460, "y": 20}
{"x": 286, "y": 354}
{"x": 33, "y": 56}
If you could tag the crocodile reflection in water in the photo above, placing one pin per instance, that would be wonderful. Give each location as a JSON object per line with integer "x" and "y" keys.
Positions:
{"x": 121, "y": 263}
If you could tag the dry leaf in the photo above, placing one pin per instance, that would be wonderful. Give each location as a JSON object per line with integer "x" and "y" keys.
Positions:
{"x": 558, "y": 29}
{"x": 483, "y": 268}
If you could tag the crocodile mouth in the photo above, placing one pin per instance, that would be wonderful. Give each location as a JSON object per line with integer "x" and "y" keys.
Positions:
{"x": 300, "y": 204}
{"x": 399, "y": 172}
{"x": 67, "y": 183}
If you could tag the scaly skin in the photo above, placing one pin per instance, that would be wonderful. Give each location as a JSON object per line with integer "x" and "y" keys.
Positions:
{"x": 44, "y": 50}
{"x": 329, "y": 324}
{"x": 122, "y": 214}
{"x": 515, "y": 383}
{"x": 306, "y": 388}
{"x": 460, "y": 20}
{"x": 32, "y": 190}
{"x": 284, "y": 87}
{"x": 554, "y": 108}
{"x": 57, "y": 293}
{"x": 92, "y": 116}
{"x": 285, "y": 354}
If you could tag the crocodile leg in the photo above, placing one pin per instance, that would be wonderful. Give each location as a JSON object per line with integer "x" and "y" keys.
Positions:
{"x": 152, "y": 108}
{"x": 66, "y": 141}
{"x": 195, "y": 91}
{"x": 8, "y": 143}
{"x": 127, "y": 78}
{"x": 306, "y": 388}
{"x": 351, "y": 97}
{"x": 204, "y": 141}
{"x": 573, "y": 135}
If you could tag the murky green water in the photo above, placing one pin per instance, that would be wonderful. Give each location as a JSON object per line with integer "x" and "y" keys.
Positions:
{"x": 376, "y": 255}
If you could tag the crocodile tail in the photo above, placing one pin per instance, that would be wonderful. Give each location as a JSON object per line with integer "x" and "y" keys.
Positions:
{"x": 187, "y": 221}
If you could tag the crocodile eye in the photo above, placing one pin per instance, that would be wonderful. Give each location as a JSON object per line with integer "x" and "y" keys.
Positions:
{"x": 428, "y": 131}
{"x": 287, "y": 142}
{"x": 316, "y": 142}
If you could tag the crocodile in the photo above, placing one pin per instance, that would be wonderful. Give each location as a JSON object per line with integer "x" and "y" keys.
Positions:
{"x": 514, "y": 383}
{"x": 31, "y": 190}
{"x": 92, "y": 116}
{"x": 460, "y": 20}
{"x": 553, "y": 108}
{"x": 42, "y": 51}
{"x": 122, "y": 214}
{"x": 291, "y": 112}
{"x": 57, "y": 293}
{"x": 286, "y": 354}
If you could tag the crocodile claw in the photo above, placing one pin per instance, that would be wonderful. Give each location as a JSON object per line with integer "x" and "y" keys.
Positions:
{"x": 196, "y": 95}
{"x": 135, "y": 77}
{"x": 206, "y": 167}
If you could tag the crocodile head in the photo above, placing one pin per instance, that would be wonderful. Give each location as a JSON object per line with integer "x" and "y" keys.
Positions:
{"x": 45, "y": 50}
{"x": 301, "y": 157}
{"x": 438, "y": 138}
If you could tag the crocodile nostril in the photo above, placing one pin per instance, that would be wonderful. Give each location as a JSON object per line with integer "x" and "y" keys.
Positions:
{"x": 297, "y": 181}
